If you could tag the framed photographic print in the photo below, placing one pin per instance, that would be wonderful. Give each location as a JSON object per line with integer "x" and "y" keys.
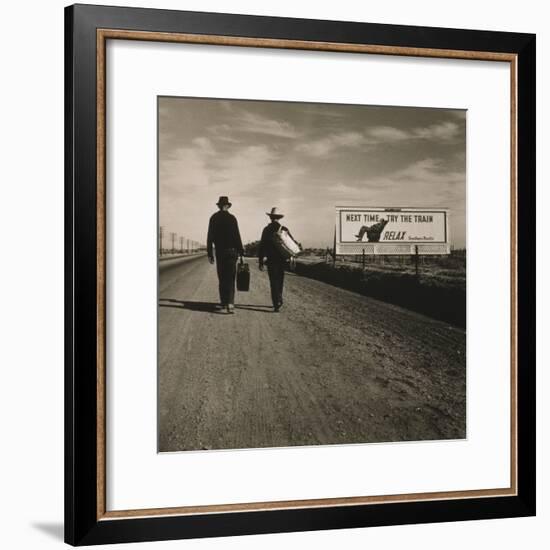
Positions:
{"x": 299, "y": 274}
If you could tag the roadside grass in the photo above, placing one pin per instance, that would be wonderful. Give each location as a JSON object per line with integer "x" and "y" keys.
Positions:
{"x": 439, "y": 291}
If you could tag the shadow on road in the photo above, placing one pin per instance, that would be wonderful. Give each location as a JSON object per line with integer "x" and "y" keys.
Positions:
{"x": 262, "y": 309}
{"x": 208, "y": 307}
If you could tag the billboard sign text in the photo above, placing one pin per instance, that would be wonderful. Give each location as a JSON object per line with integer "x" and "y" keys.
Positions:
{"x": 382, "y": 230}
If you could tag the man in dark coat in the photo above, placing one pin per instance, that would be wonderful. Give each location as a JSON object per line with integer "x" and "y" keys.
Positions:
{"x": 225, "y": 238}
{"x": 276, "y": 262}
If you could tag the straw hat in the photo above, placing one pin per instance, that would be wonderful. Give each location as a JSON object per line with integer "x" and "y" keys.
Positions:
{"x": 275, "y": 213}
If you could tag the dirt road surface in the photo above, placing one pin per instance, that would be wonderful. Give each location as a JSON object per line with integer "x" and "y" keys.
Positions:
{"x": 331, "y": 367}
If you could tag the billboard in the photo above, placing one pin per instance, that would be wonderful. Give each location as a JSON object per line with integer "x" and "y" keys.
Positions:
{"x": 385, "y": 230}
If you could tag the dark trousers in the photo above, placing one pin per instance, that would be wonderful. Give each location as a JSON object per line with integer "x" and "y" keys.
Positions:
{"x": 226, "y": 265}
{"x": 276, "y": 272}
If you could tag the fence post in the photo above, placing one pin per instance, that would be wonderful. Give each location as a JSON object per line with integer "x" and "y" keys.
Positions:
{"x": 364, "y": 258}
{"x": 416, "y": 261}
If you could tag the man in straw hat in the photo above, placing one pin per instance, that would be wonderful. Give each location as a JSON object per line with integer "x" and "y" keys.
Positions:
{"x": 275, "y": 260}
{"x": 224, "y": 236}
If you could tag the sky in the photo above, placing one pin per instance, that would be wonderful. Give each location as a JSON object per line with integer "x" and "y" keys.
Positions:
{"x": 305, "y": 158}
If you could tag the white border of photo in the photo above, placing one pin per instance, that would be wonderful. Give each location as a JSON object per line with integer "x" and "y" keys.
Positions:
{"x": 137, "y": 475}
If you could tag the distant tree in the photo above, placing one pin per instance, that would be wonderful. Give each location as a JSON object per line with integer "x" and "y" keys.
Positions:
{"x": 251, "y": 249}
{"x": 311, "y": 251}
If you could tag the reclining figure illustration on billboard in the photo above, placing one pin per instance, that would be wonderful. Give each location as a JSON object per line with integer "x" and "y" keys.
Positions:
{"x": 373, "y": 231}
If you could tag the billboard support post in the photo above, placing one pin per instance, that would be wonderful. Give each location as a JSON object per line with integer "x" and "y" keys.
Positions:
{"x": 334, "y": 249}
{"x": 416, "y": 261}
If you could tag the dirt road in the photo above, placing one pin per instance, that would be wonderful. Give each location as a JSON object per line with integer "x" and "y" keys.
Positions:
{"x": 332, "y": 367}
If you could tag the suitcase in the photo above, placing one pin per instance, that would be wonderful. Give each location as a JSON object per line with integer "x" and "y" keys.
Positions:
{"x": 243, "y": 276}
{"x": 285, "y": 244}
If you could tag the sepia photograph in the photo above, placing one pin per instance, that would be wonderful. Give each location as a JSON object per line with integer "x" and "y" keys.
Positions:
{"x": 311, "y": 274}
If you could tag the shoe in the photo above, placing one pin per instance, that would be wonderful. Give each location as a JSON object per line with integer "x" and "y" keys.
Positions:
{"x": 230, "y": 308}
{"x": 276, "y": 309}
{"x": 219, "y": 307}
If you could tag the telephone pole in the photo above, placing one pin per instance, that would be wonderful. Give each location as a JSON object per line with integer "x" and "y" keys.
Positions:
{"x": 161, "y": 230}
{"x": 173, "y": 237}
{"x": 181, "y": 245}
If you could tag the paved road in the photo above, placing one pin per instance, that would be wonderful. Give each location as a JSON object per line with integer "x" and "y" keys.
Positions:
{"x": 332, "y": 367}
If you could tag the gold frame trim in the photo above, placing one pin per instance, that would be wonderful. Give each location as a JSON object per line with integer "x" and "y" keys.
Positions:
{"x": 102, "y": 36}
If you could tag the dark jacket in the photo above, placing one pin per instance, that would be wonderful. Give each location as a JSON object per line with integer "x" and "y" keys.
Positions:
{"x": 267, "y": 247}
{"x": 223, "y": 233}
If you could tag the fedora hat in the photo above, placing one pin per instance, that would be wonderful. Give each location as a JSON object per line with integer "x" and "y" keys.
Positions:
{"x": 275, "y": 213}
{"x": 222, "y": 201}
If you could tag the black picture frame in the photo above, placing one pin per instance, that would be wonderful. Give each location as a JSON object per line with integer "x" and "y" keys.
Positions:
{"x": 84, "y": 524}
